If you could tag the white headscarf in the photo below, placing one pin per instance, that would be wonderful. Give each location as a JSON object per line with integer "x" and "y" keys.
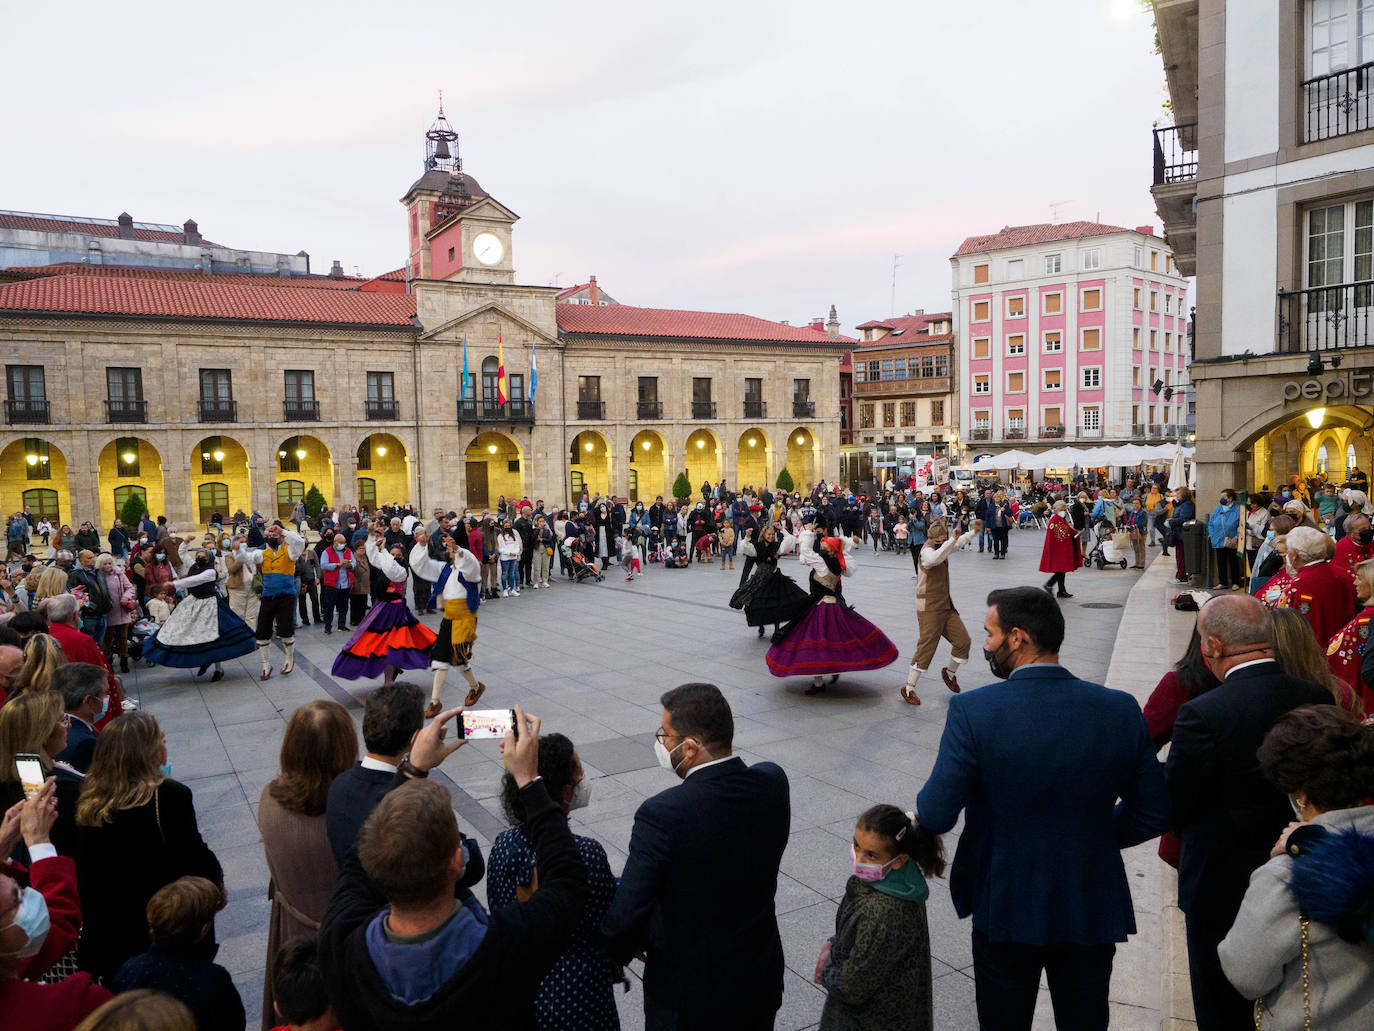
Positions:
{"x": 1359, "y": 502}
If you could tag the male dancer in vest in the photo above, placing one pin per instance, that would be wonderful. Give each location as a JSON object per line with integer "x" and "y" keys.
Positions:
{"x": 458, "y": 582}
{"x": 936, "y": 616}
{"x": 277, "y": 564}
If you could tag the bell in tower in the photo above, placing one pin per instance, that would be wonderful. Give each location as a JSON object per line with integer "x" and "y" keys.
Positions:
{"x": 441, "y": 145}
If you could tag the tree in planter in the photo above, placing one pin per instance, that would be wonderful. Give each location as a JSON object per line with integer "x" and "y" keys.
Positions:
{"x": 785, "y": 483}
{"x": 682, "y": 487}
{"x": 314, "y": 503}
{"x": 132, "y": 510}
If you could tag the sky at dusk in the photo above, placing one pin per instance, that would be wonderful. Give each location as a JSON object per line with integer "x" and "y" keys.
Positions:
{"x": 752, "y": 156}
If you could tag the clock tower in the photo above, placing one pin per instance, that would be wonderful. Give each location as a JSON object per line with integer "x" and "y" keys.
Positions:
{"x": 456, "y": 230}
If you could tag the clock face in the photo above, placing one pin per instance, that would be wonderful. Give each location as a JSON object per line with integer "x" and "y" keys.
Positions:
{"x": 487, "y": 248}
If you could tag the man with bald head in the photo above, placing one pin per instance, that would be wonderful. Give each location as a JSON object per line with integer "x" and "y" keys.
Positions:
{"x": 1226, "y": 812}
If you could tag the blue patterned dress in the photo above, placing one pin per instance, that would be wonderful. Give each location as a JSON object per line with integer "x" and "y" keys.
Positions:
{"x": 578, "y": 993}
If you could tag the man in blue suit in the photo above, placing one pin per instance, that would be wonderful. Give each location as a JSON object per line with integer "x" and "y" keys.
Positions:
{"x": 697, "y": 894}
{"x": 85, "y": 696}
{"x": 1055, "y": 776}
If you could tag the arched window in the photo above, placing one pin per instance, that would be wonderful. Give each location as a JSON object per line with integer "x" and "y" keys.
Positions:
{"x": 122, "y": 495}
{"x": 365, "y": 454}
{"x": 1322, "y": 459}
{"x": 490, "y": 368}
{"x": 42, "y": 503}
{"x": 1350, "y": 462}
{"x": 214, "y": 500}
{"x": 367, "y": 493}
{"x": 288, "y": 493}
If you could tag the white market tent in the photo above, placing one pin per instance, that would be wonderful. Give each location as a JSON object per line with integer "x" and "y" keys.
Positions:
{"x": 1119, "y": 456}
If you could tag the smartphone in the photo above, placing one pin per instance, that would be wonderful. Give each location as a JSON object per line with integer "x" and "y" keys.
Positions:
{"x": 487, "y": 723}
{"x": 30, "y": 768}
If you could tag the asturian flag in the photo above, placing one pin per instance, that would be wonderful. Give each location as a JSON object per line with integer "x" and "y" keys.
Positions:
{"x": 500, "y": 370}
{"x": 534, "y": 373}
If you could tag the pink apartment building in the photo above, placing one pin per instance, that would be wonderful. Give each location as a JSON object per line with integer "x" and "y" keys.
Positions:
{"x": 1072, "y": 333}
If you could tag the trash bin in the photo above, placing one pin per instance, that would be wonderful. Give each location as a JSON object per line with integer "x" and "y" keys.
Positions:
{"x": 1197, "y": 554}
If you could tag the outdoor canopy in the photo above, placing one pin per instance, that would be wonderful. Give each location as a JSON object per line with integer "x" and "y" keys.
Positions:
{"x": 1121, "y": 456}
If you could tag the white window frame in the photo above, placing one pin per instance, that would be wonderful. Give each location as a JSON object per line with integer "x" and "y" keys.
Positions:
{"x": 1054, "y": 264}
{"x": 1045, "y": 386}
{"x": 1016, "y": 269}
{"x": 1168, "y": 342}
{"x": 982, "y": 379}
{"x": 1138, "y": 298}
{"x": 1348, "y": 230}
{"x": 1101, "y": 299}
{"x": 974, "y": 272}
{"x": 1085, "y": 329}
{"x": 1135, "y": 338}
{"x": 1058, "y": 347}
{"x": 1046, "y": 296}
{"x": 1090, "y": 258}
{"x": 1135, "y": 376}
{"x": 1020, "y": 350}
{"x": 1168, "y": 303}
{"x": 1006, "y": 381}
{"x": 973, "y": 353}
{"x": 973, "y": 310}
{"x": 1154, "y": 300}
{"x": 1349, "y": 10}
{"x": 1096, "y": 411}
{"x": 1096, "y": 371}
{"x": 1139, "y": 257}
{"x": 1154, "y": 340}
{"x": 1045, "y": 414}
{"x": 985, "y": 422}
{"x": 1006, "y": 306}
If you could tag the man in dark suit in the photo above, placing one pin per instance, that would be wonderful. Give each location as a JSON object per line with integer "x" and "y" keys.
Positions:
{"x": 85, "y": 697}
{"x": 1226, "y": 812}
{"x": 1038, "y": 764}
{"x": 698, "y": 887}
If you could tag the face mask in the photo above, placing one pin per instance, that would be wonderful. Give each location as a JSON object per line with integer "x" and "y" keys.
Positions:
{"x": 1269, "y": 536}
{"x": 32, "y": 918}
{"x": 224, "y": 544}
{"x": 467, "y": 855}
{"x": 581, "y": 794}
{"x": 1363, "y": 537}
{"x": 160, "y": 556}
{"x": 104, "y": 708}
{"x": 166, "y": 769}
{"x": 665, "y": 757}
{"x": 995, "y": 664}
{"x": 868, "y": 872}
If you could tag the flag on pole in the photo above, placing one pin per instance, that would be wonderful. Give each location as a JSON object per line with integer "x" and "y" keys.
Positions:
{"x": 534, "y": 373}
{"x": 463, "y": 386}
{"x": 500, "y": 370}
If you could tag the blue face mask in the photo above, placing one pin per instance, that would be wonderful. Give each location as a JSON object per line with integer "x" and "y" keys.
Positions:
{"x": 166, "y": 769}
{"x": 467, "y": 856}
{"x": 32, "y": 918}
{"x": 104, "y": 707}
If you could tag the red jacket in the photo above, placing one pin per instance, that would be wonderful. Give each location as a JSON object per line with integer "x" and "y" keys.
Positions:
{"x": 1345, "y": 652}
{"x": 79, "y": 647}
{"x": 1061, "y": 553}
{"x": 1325, "y": 600}
{"x": 29, "y": 1006}
{"x": 1348, "y": 556}
{"x": 55, "y": 879}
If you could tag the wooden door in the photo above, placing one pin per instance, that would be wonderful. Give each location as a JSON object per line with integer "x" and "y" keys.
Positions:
{"x": 477, "y": 485}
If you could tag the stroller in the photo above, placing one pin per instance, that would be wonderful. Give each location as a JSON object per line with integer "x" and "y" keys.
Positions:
{"x": 1108, "y": 547}
{"x": 583, "y": 568}
{"x": 139, "y": 632}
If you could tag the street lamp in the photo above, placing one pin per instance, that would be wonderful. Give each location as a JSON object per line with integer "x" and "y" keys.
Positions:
{"x": 128, "y": 457}
{"x": 491, "y": 448}
{"x": 1315, "y": 417}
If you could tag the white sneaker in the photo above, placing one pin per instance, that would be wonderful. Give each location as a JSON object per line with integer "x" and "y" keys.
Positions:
{"x": 515, "y": 592}
{"x": 505, "y": 593}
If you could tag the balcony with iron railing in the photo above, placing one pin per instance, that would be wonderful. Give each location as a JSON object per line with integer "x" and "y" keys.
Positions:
{"x": 591, "y": 409}
{"x": 218, "y": 410}
{"x": 489, "y": 411}
{"x": 1052, "y": 432}
{"x": 1015, "y": 431}
{"x": 1174, "y": 151}
{"x": 755, "y": 409}
{"x": 29, "y": 411}
{"x": 1326, "y": 318}
{"x": 649, "y": 410}
{"x": 1338, "y": 103}
{"x": 703, "y": 409}
{"x": 1138, "y": 429}
{"x": 125, "y": 410}
{"x": 383, "y": 409}
{"x": 298, "y": 410}
{"x": 1089, "y": 432}
{"x": 803, "y": 409}
{"x": 980, "y": 433}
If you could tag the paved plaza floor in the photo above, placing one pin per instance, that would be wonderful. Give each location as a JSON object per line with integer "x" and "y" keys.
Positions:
{"x": 592, "y": 660}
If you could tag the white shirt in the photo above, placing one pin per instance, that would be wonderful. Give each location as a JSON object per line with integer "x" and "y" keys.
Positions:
{"x": 369, "y": 763}
{"x": 702, "y": 766}
{"x": 1242, "y": 665}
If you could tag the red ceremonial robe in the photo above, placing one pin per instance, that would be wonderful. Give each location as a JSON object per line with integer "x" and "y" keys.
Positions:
{"x": 1348, "y": 556}
{"x": 1346, "y": 651}
{"x": 1277, "y": 584}
{"x": 1324, "y": 599}
{"x": 1060, "y": 554}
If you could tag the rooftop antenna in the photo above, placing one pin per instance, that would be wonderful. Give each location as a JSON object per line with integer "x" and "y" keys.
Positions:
{"x": 892, "y": 303}
{"x": 1054, "y": 210}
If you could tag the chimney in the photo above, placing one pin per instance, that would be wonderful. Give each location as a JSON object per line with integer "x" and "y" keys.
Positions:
{"x": 190, "y": 232}
{"x": 832, "y": 324}
{"x": 303, "y": 254}
{"x": 126, "y": 226}
{"x": 1145, "y": 230}
{"x": 919, "y": 311}
{"x": 817, "y": 324}
{"x": 337, "y": 271}
{"x": 592, "y": 292}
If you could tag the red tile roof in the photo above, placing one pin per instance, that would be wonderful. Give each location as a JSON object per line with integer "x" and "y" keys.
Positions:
{"x": 197, "y": 296}
{"x": 908, "y": 323}
{"x": 1025, "y": 236}
{"x": 625, "y": 320}
{"x": 905, "y": 340}
{"x": 313, "y": 281}
{"x": 38, "y": 224}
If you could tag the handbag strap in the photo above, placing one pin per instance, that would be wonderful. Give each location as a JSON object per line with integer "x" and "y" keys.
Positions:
{"x": 1306, "y": 986}
{"x": 157, "y": 812}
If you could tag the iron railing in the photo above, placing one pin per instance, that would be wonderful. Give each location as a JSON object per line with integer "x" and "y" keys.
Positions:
{"x": 981, "y": 433}
{"x": 28, "y": 411}
{"x": 1337, "y": 103}
{"x": 649, "y": 409}
{"x": 296, "y": 410}
{"x": 803, "y": 409}
{"x": 591, "y": 409}
{"x": 1015, "y": 433}
{"x": 125, "y": 411}
{"x": 1051, "y": 432}
{"x": 1326, "y": 318}
{"x": 1175, "y": 153}
{"x": 383, "y": 409}
{"x": 703, "y": 409}
{"x": 489, "y": 411}
{"x": 218, "y": 410}
{"x": 755, "y": 409}
{"x": 1090, "y": 431}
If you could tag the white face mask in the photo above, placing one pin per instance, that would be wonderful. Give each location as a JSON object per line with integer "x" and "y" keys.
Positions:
{"x": 665, "y": 757}
{"x": 581, "y": 794}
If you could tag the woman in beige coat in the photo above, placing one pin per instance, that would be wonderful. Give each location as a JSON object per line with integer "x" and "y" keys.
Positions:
{"x": 320, "y": 743}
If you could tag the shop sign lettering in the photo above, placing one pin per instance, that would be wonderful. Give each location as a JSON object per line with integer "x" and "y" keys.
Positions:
{"x": 1351, "y": 384}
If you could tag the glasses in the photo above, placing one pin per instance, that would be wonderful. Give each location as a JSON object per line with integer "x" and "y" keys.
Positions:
{"x": 662, "y": 736}
{"x": 64, "y": 720}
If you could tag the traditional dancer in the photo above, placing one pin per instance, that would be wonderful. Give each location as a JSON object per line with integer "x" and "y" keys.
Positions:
{"x": 830, "y": 638}
{"x": 1346, "y": 651}
{"x": 769, "y": 596}
{"x": 276, "y": 563}
{"x": 389, "y": 637}
{"x": 936, "y": 615}
{"x": 202, "y": 631}
{"x": 1061, "y": 553}
{"x": 458, "y": 582}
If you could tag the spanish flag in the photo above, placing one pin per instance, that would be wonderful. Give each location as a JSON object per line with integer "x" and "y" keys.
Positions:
{"x": 500, "y": 370}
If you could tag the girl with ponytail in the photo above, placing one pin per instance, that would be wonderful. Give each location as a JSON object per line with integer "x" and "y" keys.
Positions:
{"x": 876, "y": 967}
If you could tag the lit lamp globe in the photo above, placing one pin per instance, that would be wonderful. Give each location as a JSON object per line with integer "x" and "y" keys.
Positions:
{"x": 381, "y": 450}
{"x": 491, "y": 448}
{"x": 701, "y": 443}
{"x": 1315, "y": 417}
{"x": 219, "y": 456}
{"x": 588, "y": 445}
{"x": 300, "y": 452}
{"x": 128, "y": 457}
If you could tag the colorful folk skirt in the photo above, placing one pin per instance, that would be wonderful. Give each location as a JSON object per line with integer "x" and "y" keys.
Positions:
{"x": 198, "y": 632}
{"x": 389, "y": 635}
{"x": 770, "y": 596}
{"x": 830, "y": 639}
